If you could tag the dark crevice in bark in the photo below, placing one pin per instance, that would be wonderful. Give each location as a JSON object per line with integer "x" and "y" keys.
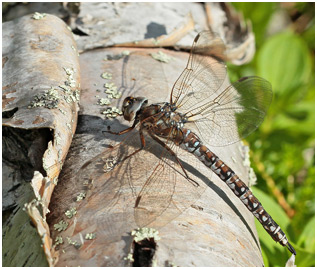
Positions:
{"x": 9, "y": 114}
{"x": 143, "y": 252}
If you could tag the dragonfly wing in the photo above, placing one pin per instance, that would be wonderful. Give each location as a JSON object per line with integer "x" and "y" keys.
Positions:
{"x": 155, "y": 196}
{"x": 204, "y": 74}
{"x": 233, "y": 114}
{"x": 167, "y": 192}
{"x": 107, "y": 209}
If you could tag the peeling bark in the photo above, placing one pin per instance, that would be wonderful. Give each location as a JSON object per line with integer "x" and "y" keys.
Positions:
{"x": 209, "y": 227}
{"x": 38, "y": 124}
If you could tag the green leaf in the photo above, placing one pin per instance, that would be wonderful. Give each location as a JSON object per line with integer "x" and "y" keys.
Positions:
{"x": 300, "y": 119}
{"x": 284, "y": 60}
{"x": 305, "y": 258}
{"x": 309, "y": 36}
{"x": 265, "y": 259}
{"x": 307, "y": 237}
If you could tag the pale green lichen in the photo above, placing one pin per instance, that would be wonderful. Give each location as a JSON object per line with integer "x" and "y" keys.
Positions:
{"x": 76, "y": 94}
{"x": 155, "y": 42}
{"x": 71, "y": 82}
{"x": 161, "y": 57}
{"x": 38, "y": 16}
{"x": 69, "y": 126}
{"x": 66, "y": 89}
{"x": 145, "y": 233}
{"x": 69, "y": 71}
{"x": 55, "y": 180}
{"x": 58, "y": 240}
{"x": 246, "y": 160}
{"x": 111, "y": 90}
{"x": 110, "y": 86}
{"x": 106, "y": 75}
{"x": 109, "y": 164}
{"x": 61, "y": 226}
{"x": 70, "y": 94}
{"x": 112, "y": 112}
{"x": 129, "y": 257}
{"x": 104, "y": 101}
{"x": 252, "y": 177}
{"x": 73, "y": 242}
{"x": 88, "y": 183}
{"x": 114, "y": 95}
{"x": 45, "y": 164}
{"x": 49, "y": 99}
{"x": 80, "y": 196}
{"x": 62, "y": 111}
{"x": 71, "y": 212}
{"x": 59, "y": 155}
{"x": 90, "y": 236}
{"x": 171, "y": 264}
{"x": 58, "y": 139}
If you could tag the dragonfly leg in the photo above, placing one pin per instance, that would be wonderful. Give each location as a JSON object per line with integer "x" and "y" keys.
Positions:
{"x": 174, "y": 155}
{"x": 121, "y": 132}
{"x": 129, "y": 129}
{"x": 142, "y": 145}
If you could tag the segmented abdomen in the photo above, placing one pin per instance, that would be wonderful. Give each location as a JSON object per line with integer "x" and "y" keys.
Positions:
{"x": 192, "y": 144}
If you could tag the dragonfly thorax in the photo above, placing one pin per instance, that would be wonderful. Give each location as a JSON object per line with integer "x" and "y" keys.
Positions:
{"x": 174, "y": 119}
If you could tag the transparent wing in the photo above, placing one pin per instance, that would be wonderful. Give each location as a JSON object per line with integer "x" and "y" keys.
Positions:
{"x": 204, "y": 74}
{"x": 167, "y": 192}
{"x": 107, "y": 209}
{"x": 232, "y": 115}
{"x": 134, "y": 190}
{"x": 155, "y": 196}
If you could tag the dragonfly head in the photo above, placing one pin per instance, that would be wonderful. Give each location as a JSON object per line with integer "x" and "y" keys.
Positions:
{"x": 131, "y": 106}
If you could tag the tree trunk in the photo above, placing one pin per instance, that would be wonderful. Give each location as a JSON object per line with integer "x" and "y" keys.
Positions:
{"x": 36, "y": 135}
{"x": 202, "y": 226}
{"x": 206, "y": 227}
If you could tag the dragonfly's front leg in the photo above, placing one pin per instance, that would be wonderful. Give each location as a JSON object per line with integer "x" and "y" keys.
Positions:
{"x": 139, "y": 149}
{"x": 121, "y": 132}
{"x": 126, "y": 131}
{"x": 129, "y": 129}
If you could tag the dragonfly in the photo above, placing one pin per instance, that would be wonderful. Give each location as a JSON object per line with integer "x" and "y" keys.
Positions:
{"x": 201, "y": 111}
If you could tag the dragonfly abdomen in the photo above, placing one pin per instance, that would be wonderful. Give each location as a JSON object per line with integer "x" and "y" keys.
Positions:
{"x": 192, "y": 144}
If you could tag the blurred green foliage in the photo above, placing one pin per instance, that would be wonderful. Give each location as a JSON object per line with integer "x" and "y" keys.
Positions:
{"x": 285, "y": 143}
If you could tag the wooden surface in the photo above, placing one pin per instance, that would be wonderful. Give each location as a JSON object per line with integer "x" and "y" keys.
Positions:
{"x": 218, "y": 230}
{"x": 206, "y": 227}
{"x": 35, "y": 55}
{"x": 149, "y": 24}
